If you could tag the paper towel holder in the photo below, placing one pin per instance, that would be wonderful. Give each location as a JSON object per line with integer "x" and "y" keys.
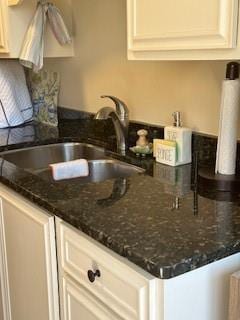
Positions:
{"x": 213, "y": 186}
{"x": 209, "y": 177}
{"x": 211, "y": 181}
{"x": 232, "y": 72}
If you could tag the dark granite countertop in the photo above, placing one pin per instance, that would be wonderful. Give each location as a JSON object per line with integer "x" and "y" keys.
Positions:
{"x": 159, "y": 223}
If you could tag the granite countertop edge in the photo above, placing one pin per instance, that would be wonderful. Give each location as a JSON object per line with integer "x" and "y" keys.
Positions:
{"x": 160, "y": 271}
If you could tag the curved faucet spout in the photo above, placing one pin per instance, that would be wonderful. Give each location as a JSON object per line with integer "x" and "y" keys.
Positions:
{"x": 120, "y": 120}
{"x": 105, "y": 113}
{"x": 121, "y": 109}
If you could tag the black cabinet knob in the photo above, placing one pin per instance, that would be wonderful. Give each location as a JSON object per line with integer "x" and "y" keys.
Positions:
{"x": 92, "y": 275}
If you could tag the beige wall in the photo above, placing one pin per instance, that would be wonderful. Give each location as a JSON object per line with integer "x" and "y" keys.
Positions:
{"x": 152, "y": 90}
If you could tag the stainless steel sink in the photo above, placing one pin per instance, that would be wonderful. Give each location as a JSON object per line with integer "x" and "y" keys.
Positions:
{"x": 37, "y": 159}
{"x": 99, "y": 170}
{"x": 40, "y": 157}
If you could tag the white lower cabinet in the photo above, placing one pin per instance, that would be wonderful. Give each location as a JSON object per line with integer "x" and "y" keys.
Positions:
{"x": 28, "y": 270}
{"x": 121, "y": 290}
{"x": 118, "y": 289}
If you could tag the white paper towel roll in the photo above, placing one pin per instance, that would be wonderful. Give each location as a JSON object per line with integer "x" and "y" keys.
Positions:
{"x": 228, "y": 125}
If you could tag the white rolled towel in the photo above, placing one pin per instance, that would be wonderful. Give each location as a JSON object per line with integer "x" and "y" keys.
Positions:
{"x": 70, "y": 169}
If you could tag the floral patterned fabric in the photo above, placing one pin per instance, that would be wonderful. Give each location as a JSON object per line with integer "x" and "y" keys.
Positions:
{"x": 44, "y": 89}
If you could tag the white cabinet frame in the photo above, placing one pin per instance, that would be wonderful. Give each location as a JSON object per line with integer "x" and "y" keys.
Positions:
{"x": 47, "y": 225}
{"x": 217, "y": 41}
{"x": 3, "y": 27}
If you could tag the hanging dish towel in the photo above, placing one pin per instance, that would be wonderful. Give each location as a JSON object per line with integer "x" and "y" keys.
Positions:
{"x": 31, "y": 55}
{"x": 57, "y": 25}
{"x": 15, "y": 103}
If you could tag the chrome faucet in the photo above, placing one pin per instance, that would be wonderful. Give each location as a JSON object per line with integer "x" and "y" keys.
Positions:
{"x": 120, "y": 118}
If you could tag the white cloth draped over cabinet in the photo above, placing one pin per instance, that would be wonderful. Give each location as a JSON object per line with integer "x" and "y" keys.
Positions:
{"x": 15, "y": 102}
{"x": 32, "y": 51}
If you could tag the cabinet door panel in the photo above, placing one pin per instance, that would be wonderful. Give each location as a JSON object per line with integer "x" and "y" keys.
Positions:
{"x": 3, "y": 35}
{"x": 27, "y": 238}
{"x": 1, "y": 303}
{"x": 178, "y": 25}
{"x": 78, "y": 304}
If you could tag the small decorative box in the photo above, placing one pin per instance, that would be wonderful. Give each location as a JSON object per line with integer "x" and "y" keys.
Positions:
{"x": 166, "y": 152}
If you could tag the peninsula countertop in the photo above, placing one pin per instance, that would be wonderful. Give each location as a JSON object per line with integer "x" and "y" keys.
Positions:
{"x": 154, "y": 225}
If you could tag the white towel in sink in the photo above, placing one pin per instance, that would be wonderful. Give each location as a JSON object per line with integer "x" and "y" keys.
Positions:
{"x": 70, "y": 169}
{"x": 15, "y": 102}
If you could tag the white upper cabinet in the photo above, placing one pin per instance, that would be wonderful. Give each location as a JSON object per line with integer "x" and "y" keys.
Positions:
{"x": 15, "y": 16}
{"x": 3, "y": 27}
{"x": 186, "y": 29}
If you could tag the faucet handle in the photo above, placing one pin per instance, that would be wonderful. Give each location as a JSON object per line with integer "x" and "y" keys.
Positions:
{"x": 121, "y": 107}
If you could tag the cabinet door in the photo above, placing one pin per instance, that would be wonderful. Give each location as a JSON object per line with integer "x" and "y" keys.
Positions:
{"x": 1, "y": 303}
{"x": 158, "y": 25}
{"x": 3, "y": 26}
{"x": 28, "y": 261}
{"x": 79, "y": 304}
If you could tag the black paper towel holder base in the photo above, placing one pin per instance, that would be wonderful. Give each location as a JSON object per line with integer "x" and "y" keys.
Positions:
{"x": 208, "y": 179}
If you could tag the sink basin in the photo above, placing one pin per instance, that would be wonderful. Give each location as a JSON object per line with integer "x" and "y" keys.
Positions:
{"x": 99, "y": 170}
{"x": 37, "y": 159}
{"x": 40, "y": 157}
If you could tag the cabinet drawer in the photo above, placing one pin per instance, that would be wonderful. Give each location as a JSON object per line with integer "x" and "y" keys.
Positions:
{"x": 78, "y": 302}
{"x": 120, "y": 286}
